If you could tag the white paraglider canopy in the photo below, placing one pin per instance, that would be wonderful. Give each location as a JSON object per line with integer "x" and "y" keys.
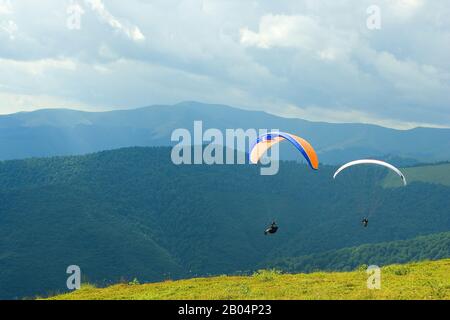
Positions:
{"x": 371, "y": 161}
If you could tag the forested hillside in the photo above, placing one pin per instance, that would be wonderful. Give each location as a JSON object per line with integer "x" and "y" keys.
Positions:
{"x": 434, "y": 247}
{"x": 438, "y": 173}
{"x": 132, "y": 213}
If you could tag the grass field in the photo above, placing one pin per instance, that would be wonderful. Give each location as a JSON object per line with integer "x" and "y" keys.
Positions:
{"x": 438, "y": 174}
{"x": 423, "y": 280}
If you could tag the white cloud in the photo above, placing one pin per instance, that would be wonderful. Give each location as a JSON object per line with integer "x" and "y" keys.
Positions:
{"x": 410, "y": 78}
{"x": 260, "y": 55}
{"x": 37, "y": 67}
{"x": 132, "y": 32}
{"x": 11, "y": 103}
{"x": 300, "y": 32}
{"x": 405, "y": 9}
{"x": 6, "y": 7}
{"x": 10, "y": 28}
{"x": 348, "y": 115}
{"x": 282, "y": 31}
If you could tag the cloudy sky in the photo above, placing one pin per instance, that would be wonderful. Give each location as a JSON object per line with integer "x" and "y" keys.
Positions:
{"x": 385, "y": 62}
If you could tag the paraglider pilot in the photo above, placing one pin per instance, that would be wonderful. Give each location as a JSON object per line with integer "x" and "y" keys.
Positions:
{"x": 365, "y": 222}
{"x": 272, "y": 229}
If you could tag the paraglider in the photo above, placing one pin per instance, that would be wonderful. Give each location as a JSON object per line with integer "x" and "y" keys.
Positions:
{"x": 266, "y": 141}
{"x": 365, "y": 221}
{"x": 273, "y": 228}
{"x": 371, "y": 161}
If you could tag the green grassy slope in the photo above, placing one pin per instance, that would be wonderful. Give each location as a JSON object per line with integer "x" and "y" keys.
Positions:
{"x": 424, "y": 280}
{"x": 434, "y": 247}
{"x": 437, "y": 174}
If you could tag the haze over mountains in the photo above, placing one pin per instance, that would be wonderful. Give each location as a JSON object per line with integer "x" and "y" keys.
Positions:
{"x": 67, "y": 132}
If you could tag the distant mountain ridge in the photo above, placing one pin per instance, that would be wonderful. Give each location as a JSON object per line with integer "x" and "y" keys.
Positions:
{"x": 50, "y": 132}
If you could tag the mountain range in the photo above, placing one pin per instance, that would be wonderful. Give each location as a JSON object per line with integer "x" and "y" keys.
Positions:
{"x": 99, "y": 190}
{"x": 53, "y": 132}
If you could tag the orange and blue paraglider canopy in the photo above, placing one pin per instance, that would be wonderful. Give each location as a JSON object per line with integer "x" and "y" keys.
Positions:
{"x": 266, "y": 141}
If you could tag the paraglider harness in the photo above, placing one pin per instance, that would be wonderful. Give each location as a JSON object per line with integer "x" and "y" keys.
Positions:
{"x": 272, "y": 229}
{"x": 365, "y": 222}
